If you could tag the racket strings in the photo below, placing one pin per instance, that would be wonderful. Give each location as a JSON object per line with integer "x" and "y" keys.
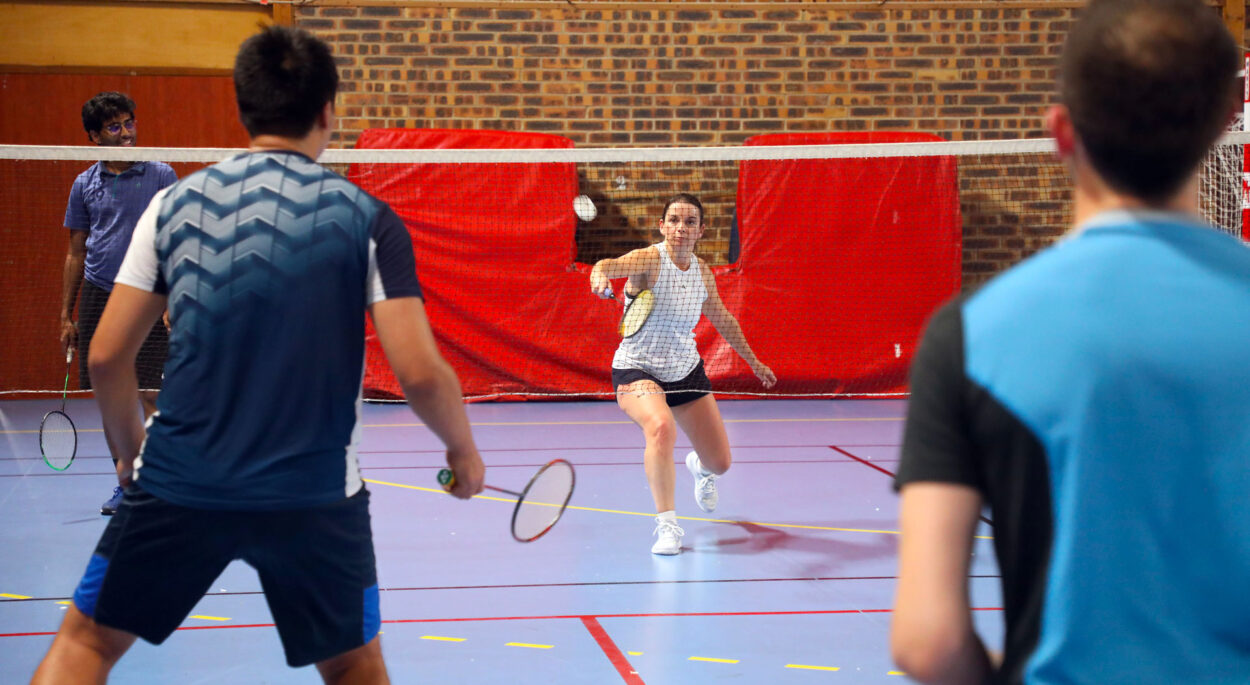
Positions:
{"x": 543, "y": 502}
{"x": 58, "y": 440}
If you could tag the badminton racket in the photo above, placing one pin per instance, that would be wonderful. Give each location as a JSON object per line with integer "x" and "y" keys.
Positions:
{"x": 539, "y": 505}
{"x": 58, "y": 439}
{"x": 637, "y": 310}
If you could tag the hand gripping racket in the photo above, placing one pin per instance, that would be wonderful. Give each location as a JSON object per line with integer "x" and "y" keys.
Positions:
{"x": 540, "y": 504}
{"x": 637, "y": 310}
{"x": 58, "y": 439}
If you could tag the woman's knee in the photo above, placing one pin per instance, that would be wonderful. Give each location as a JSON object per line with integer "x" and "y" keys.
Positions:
{"x": 660, "y": 430}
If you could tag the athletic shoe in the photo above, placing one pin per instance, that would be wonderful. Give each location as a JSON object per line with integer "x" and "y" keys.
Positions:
{"x": 704, "y": 485}
{"x": 670, "y": 537}
{"x": 110, "y": 507}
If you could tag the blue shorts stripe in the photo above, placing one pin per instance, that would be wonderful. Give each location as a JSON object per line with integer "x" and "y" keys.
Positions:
{"x": 88, "y": 590}
{"x": 372, "y": 614}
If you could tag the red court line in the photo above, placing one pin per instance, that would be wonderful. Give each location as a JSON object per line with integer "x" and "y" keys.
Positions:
{"x": 561, "y": 616}
{"x": 869, "y": 464}
{"x": 865, "y": 462}
{"x": 612, "y": 651}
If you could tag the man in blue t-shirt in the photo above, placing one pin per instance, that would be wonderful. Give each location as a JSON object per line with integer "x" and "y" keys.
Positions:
{"x": 1096, "y": 396}
{"x": 104, "y": 204}
{"x": 268, "y": 263}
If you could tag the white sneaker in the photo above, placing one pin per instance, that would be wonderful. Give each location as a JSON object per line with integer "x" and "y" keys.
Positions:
{"x": 705, "y": 493}
{"x": 670, "y": 537}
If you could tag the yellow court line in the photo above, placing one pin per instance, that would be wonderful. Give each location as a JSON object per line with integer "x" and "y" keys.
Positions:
{"x": 442, "y": 639}
{"x": 813, "y": 668}
{"x": 799, "y": 526}
{"x": 526, "y": 644}
{"x": 64, "y": 601}
{"x": 714, "y": 661}
{"x": 634, "y": 653}
{"x": 897, "y": 673}
{"x": 5, "y": 594}
{"x": 210, "y": 618}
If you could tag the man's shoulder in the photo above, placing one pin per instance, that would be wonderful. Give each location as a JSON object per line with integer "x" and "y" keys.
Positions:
{"x": 88, "y": 175}
{"x": 162, "y": 168}
{"x": 300, "y": 179}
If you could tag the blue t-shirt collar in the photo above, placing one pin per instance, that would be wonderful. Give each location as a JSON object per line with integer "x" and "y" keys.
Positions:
{"x": 1120, "y": 217}
{"x": 137, "y": 169}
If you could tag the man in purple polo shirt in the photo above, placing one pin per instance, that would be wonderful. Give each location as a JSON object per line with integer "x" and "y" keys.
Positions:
{"x": 105, "y": 202}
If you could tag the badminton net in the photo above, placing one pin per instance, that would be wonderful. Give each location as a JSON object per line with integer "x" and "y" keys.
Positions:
{"x": 829, "y": 256}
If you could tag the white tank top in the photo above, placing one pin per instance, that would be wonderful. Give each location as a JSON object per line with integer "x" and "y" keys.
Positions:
{"x": 665, "y": 346}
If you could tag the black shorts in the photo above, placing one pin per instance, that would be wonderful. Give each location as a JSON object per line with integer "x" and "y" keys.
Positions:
{"x": 156, "y": 560}
{"x": 149, "y": 365}
{"x": 676, "y": 393}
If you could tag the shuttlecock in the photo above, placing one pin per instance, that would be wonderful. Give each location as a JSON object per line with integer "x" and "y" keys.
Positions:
{"x": 584, "y": 208}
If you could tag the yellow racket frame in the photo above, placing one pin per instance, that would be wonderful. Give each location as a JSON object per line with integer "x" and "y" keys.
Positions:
{"x": 636, "y": 314}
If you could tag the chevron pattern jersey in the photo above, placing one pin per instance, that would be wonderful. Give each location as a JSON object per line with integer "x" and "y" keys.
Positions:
{"x": 268, "y": 261}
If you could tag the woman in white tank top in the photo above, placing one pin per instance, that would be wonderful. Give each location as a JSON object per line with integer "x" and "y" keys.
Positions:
{"x": 659, "y": 377}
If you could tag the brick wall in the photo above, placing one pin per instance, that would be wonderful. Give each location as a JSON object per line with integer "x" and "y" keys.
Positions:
{"x": 670, "y": 74}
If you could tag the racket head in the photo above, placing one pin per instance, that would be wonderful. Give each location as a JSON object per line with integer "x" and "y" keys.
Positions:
{"x": 543, "y": 500}
{"x": 636, "y": 313}
{"x": 58, "y": 440}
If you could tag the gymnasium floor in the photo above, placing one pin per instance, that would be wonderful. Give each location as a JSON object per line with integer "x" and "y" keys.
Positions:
{"x": 790, "y": 580}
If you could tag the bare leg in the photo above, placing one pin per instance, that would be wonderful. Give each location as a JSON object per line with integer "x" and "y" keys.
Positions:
{"x": 701, "y": 422}
{"x": 147, "y": 398}
{"x": 360, "y": 666}
{"x": 82, "y": 652}
{"x": 643, "y": 402}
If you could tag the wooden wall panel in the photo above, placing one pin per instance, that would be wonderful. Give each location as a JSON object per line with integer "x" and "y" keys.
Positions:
{"x": 126, "y": 35}
{"x": 44, "y": 109}
{"x": 173, "y": 111}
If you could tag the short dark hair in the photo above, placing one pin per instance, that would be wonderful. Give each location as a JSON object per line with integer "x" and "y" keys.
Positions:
{"x": 105, "y": 106}
{"x": 1149, "y": 85}
{"x": 283, "y": 77}
{"x": 687, "y": 198}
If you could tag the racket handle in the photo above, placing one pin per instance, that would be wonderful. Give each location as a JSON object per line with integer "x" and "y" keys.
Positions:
{"x": 608, "y": 294}
{"x": 447, "y": 479}
{"x": 69, "y": 354}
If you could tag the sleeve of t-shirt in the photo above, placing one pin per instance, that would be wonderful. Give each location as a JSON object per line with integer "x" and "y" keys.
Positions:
{"x": 76, "y": 217}
{"x": 392, "y": 267}
{"x": 936, "y": 435}
{"x": 168, "y": 176}
{"x": 141, "y": 267}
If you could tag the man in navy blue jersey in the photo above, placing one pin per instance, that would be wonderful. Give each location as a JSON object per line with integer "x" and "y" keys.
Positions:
{"x": 1096, "y": 396}
{"x": 268, "y": 263}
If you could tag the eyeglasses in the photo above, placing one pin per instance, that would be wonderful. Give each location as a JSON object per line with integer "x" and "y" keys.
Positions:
{"x": 116, "y": 128}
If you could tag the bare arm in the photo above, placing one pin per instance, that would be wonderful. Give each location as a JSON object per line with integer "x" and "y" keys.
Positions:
{"x": 931, "y": 636}
{"x": 430, "y": 385}
{"x": 124, "y": 325}
{"x": 643, "y": 262}
{"x": 71, "y": 281}
{"x": 729, "y": 328}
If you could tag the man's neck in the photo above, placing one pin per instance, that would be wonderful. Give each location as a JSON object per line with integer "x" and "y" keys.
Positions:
{"x": 117, "y": 168}
{"x": 310, "y": 146}
{"x": 1091, "y": 196}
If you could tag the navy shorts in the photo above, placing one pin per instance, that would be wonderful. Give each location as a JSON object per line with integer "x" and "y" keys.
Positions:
{"x": 150, "y": 362}
{"x": 676, "y": 393}
{"x": 156, "y": 560}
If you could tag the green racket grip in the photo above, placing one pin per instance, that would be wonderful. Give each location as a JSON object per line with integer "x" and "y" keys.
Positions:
{"x": 447, "y": 479}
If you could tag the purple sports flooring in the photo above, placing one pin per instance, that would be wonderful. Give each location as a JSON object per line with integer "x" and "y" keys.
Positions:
{"x": 791, "y": 580}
